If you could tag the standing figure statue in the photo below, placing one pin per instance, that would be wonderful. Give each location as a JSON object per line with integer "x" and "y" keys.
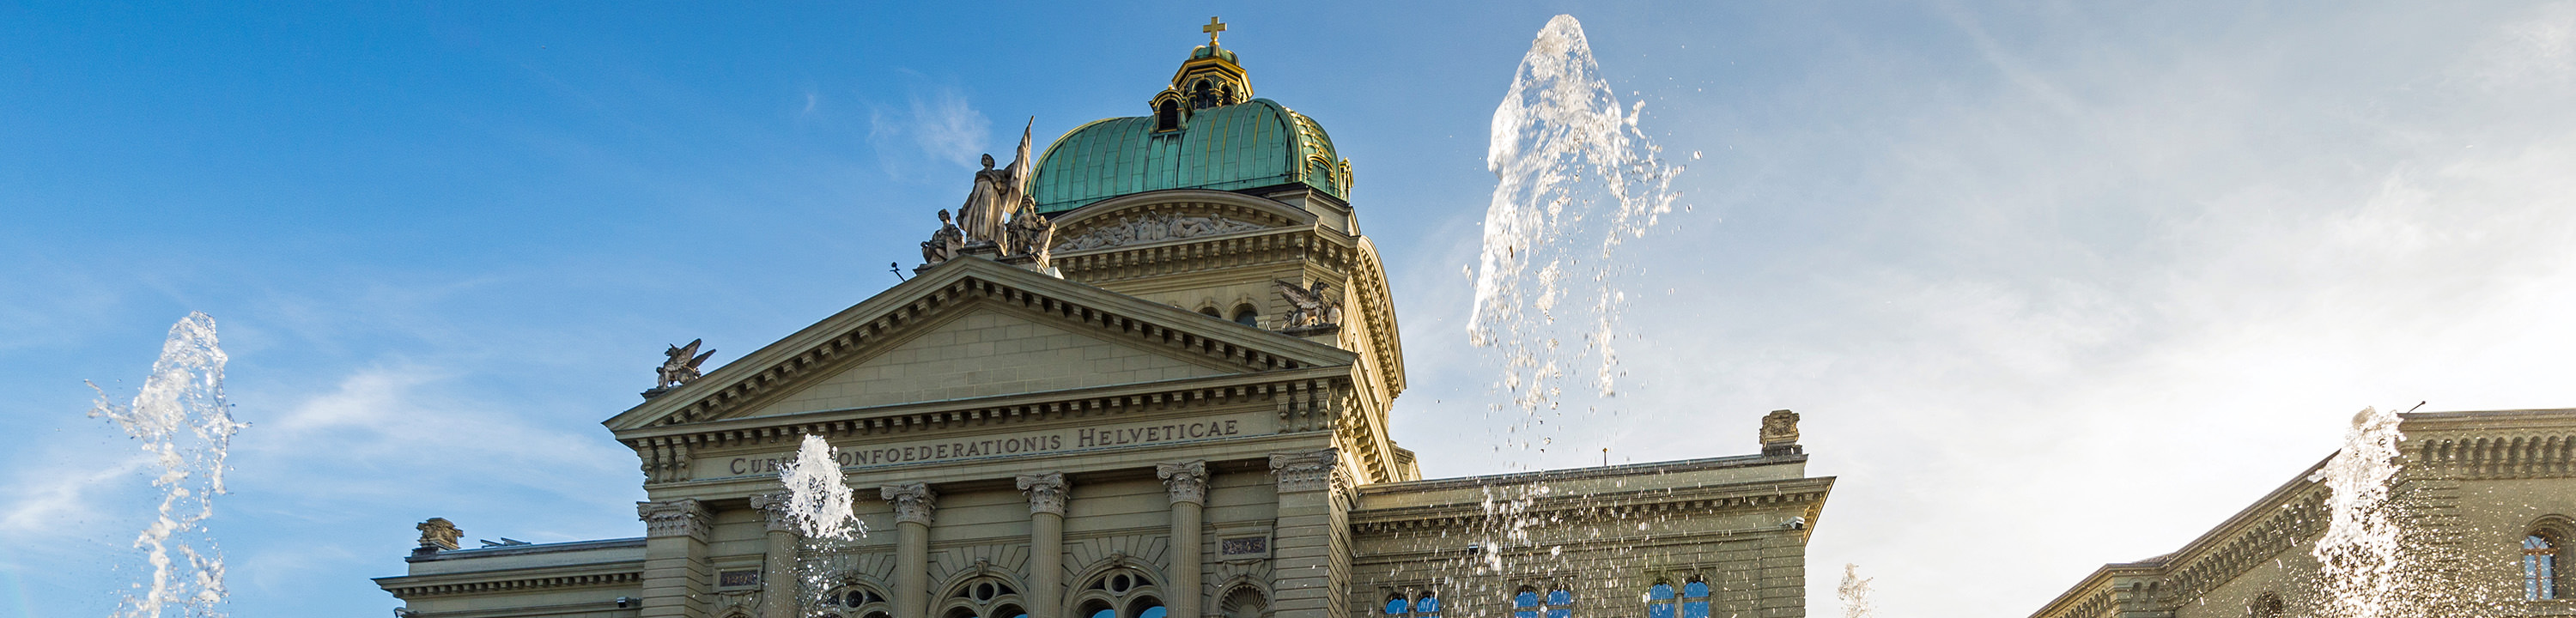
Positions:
{"x": 944, "y": 243}
{"x": 996, "y": 192}
{"x": 1030, "y": 233}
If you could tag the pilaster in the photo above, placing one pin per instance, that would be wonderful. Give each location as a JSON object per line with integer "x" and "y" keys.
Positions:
{"x": 676, "y": 572}
{"x": 1311, "y": 545}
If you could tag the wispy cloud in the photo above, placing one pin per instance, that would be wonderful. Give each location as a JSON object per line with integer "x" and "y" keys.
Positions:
{"x": 937, "y": 124}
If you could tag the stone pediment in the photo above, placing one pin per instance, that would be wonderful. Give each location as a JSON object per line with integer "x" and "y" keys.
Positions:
{"x": 972, "y": 328}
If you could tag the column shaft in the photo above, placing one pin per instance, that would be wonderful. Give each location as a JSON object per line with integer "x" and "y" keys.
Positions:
{"x": 1046, "y": 565}
{"x": 778, "y": 576}
{"x": 912, "y": 570}
{"x": 1185, "y": 560}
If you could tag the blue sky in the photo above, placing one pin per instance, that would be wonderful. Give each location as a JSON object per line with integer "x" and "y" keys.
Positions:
{"x": 2054, "y": 284}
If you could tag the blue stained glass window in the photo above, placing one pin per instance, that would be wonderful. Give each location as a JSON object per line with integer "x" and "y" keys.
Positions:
{"x": 1560, "y": 597}
{"x": 2539, "y": 568}
{"x": 1695, "y": 590}
{"x": 1661, "y": 592}
{"x": 1695, "y": 600}
{"x": 1527, "y": 598}
{"x": 1659, "y": 610}
{"x": 1428, "y": 605}
{"x": 1153, "y": 612}
{"x": 1105, "y": 613}
{"x": 1395, "y": 605}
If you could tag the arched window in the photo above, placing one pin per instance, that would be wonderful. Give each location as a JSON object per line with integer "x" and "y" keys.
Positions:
{"x": 983, "y": 597}
{"x": 1525, "y": 603}
{"x": 1427, "y": 605}
{"x": 1208, "y": 311}
{"x": 1397, "y": 605}
{"x": 1167, "y": 117}
{"x": 2540, "y": 580}
{"x": 1247, "y": 316}
{"x": 1659, "y": 601}
{"x": 1560, "y": 604}
{"x": 1147, "y": 607}
{"x": 1098, "y": 609}
{"x": 1695, "y": 599}
{"x": 1202, "y": 95}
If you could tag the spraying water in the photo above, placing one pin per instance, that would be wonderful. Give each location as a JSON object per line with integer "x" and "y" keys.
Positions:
{"x": 1575, "y": 179}
{"x": 2360, "y": 550}
{"x": 181, "y": 419}
{"x": 1853, "y": 592}
{"x": 818, "y": 502}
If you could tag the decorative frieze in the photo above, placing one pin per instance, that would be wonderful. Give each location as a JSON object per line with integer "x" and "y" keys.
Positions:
{"x": 1309, "y": 471}
{"x": 682, "y": 517}
{"x": 1187, "y": 481}
{"x": 1045, "y": 491}
{"x": 1151, "y": 227}
{"x": 912, "y": 501}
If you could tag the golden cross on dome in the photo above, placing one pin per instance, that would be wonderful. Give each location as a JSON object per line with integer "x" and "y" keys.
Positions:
{"x": 1212, "y": 28}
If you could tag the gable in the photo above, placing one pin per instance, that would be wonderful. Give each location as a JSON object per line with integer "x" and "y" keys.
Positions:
{"x": 985, "y": 352}
{"x": 1154, "y": 339}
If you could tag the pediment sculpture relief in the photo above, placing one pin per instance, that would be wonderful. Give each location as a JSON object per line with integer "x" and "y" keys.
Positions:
{"x": 1152, "y": 227}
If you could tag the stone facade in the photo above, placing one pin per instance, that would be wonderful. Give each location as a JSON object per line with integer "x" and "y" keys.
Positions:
{"x": 2473, "y": 485}
{"x": 1134, "y": 433}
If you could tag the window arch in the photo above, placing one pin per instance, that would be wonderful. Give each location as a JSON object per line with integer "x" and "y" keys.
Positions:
{"x": 1167, "y": 117}
{"x": 855, "y": 602}
{"x": 1413, "y": 604}
{"x": 1246, "y": 315}
{"x": 983, "y": 597}
{"x": 1528, "y": 603}
{"x": 1120, "y": 593}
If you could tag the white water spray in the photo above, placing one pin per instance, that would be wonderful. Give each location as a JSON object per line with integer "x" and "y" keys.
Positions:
{"x": 817, "y": 498}
{"x": 1854, "y": 592}
{"x": 819, "y": 504}
{"x": 181, "y": 419}
{"x": 1575, "y": 179}
{"x": 2360, "y": 548}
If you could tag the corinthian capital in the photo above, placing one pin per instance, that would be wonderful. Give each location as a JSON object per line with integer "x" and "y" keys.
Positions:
{"x": 1308, "y": 471}
{"x": 773, "y": 506}
{"x": 1186, "y": 480}
{"x": 912, "y": 501}
{"x": 1046, "y": 492}
{"x": 682, "y": 517}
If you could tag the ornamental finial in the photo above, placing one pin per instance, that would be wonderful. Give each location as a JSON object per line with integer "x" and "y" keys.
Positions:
{"x": 1213, "y": 26}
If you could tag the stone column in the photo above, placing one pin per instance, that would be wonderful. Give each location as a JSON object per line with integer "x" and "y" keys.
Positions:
{"x": 1187, "y": 482}
{"x": 912, "y": 506}
{"x": 1308, "y": 574}
{"x": 1046, "y": 543}
{"x": 778, "y": 582}
{"x": 676, "y": 572}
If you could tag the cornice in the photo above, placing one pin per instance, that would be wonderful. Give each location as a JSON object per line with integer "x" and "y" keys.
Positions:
{"x": 1799, "y": 494}
{"x": 629, "y": 572}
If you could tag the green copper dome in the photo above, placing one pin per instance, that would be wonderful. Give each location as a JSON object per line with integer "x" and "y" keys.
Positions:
{"x": 1252, "y": 144}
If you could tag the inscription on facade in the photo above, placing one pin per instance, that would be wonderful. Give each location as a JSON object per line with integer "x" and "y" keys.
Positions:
{"x": 1028, "y": 443}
